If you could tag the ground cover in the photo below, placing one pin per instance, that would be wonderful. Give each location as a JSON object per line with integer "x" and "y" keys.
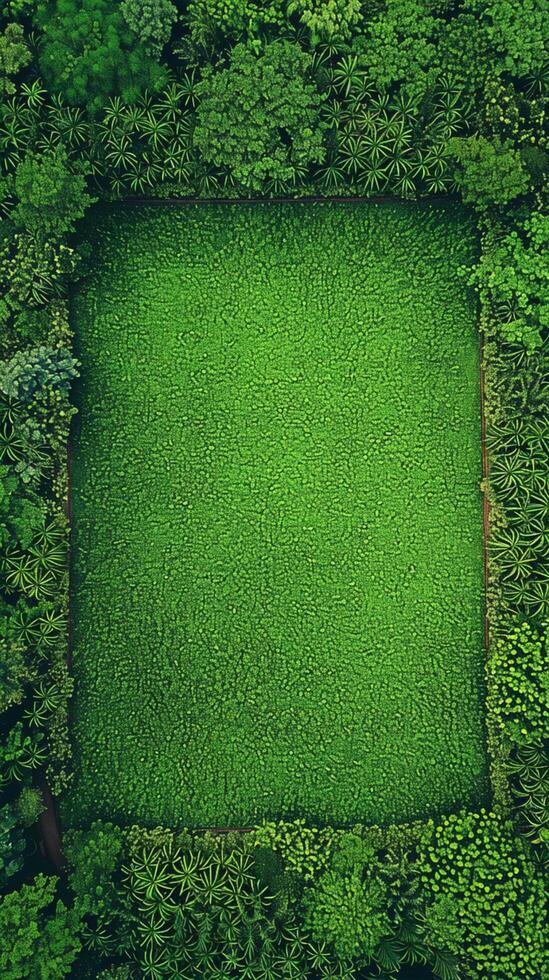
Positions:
{"x": 277, "y": 548}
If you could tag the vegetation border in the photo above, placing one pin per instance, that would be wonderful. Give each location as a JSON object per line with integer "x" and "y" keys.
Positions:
{"x": 51, "y": 842}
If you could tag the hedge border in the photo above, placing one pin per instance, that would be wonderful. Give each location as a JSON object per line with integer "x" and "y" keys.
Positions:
{"x": 49, "y": 824}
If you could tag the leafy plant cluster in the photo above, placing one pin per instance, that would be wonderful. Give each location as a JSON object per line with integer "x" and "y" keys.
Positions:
{"x": 156, "y": 903}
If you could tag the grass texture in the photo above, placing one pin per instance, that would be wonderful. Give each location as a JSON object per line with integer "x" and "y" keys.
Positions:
{"x": 277, "y": 549}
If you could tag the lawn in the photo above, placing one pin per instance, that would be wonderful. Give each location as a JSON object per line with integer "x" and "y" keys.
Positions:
{"x": 277, "y": 585}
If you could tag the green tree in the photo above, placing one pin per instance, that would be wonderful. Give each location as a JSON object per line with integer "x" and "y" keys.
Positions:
{"x": 21, "y": 513}
{"x": 88, "y": 53}
{"x": 51, "y": 194}
{"x": 348, "y": 911}
{"x": 29, "y": 806}
{"x": 327, "y": 18}
{"x": 15, "y": 671}
{"x": 399, "y": 45}
{"x": 259, "y": 117}
{"x": 512, "y": 275}
{"x": 518, "y": 31}
{"x": 39, "y": 936}
{"x": 486, "y": 171}
{"x": 151, "y": 21}
{"x": 210, "y": 19}
{"x": 30, "y": 371}
{"x": 14, "y": 55}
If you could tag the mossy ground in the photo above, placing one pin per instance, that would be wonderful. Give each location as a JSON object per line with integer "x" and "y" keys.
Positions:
{"x": 277, "y": 548}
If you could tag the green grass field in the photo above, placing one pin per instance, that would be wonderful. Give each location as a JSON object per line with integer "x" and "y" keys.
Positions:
{"x": 277, "y": 548}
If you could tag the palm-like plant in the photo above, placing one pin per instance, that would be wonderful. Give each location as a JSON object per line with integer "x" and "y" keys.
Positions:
{"x": 37, "y": 716}
{"x": 331, "y": 175}
{"x": 99, "y": 937}
{"x": 22, "y": 575}
{"x": 187, "y": 87}
{"x": 536, "y": 599}
{"x": 157, "y": 129}
{"x": 12, "y": 446}
{"x": 40, "y": 628}
{"x": 353, "y": 155}
{"x": 508, "y": 474}
{"x": 154, "y": 964}
{"x": 347, "y": 74}
{"x": 373, "y": 178}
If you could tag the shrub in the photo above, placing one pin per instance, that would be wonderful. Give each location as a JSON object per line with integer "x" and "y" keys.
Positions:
{"x": 33, "y": 272}
{"x": 518, "y": 668}
{"x": 21, "y": 513}
{"x": 259, "y": 117}
{"x": 94, "y": 855}
{"x": 511, "y": 277}
{"x": 15, "y": 671}
{"x": 233, "y": 18}
{"x": 12, "y": 845}
{"x": 327, "y": 18}
{"x": 305, "y": 850}
{"x": 51, "y": 195}
{"x": 399, "y": 45}
{"x": 486, "y": 898}
{"x": 30, "y": 371}
{"x": 151, "y": 21}
{"x": 487, "y": 172}
{"x": 517, "y": 30}
{"x": 349, "y": 912}
{"x": 39, "y": 938}
{"x": 14, "y": 55}
{"x": 29, "y": 805}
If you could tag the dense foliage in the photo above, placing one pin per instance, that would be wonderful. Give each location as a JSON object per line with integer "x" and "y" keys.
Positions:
{"x": 235, "y": 98}
{"x": 88, "y": 51}
{"x": 259, "y": 117}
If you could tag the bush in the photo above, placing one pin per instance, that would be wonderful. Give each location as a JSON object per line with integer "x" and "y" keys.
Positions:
{"x": 327, "y": 18}
{"x": 520, "y": 701}
{"x": 486, "y": 900}
{"x": 487, "y": 172}
{"x": 305, "y": 850}
{"x": 51, "y": 195}
{"x": 518, "y": 33}
{"x": 12, "y": 845}
{"x": 151, "y": 21}
{"x": 22, "y": 513}
{"x": 259, "y": 117}
{"x": 399, "y": 45}
{"x": 233, "y": 18}
{"x": 29, "y": 372}
{"x": 511, "y": 277}
{"x": 14, "y": 55}
{"x": 29, "y": 806}
{"x": 39, "y": 938}
{"x": 348, "y": 911}
{"x": 15, "y": 671}
{"x": 94, "y": 855}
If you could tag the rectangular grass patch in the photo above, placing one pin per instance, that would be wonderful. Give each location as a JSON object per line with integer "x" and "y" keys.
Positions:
{"x": 277, "y": 580}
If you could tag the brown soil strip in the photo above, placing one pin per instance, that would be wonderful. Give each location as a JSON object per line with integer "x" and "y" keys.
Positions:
{"x": 48, "y": 824}
{"x": 309, "y": 199}
{"x": 485, "y": 499}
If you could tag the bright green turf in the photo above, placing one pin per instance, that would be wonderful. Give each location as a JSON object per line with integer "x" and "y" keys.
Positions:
{"x": 278, "y": 531}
